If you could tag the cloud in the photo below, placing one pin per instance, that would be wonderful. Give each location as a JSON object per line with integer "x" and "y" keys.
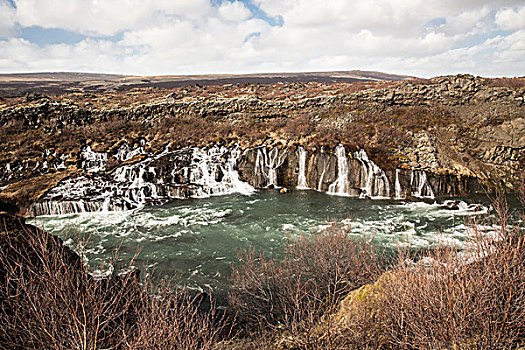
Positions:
{"x": 511, "y": 19}
{"x": 234, "y": 11}
{"x": 7, "y": 19}
{"x": 105, "y": 18}
{"x": 415, "y": 37}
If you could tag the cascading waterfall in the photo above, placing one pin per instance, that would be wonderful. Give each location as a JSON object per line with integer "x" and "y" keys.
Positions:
{"x": 199, "y": 172}
{"x": 321, "y": 177}
{"x": 215, "y": 176}
{"x": 366, "y": 181}
{"x": 231, "y": 175}
{"x": 301, "y": 179}
{"x": 419, "y": 184}
{"x": 373, "y": 178}
{"x": 266, "y": 164}
{"x": 398, "y": 189}
{"x": 125, "y": 152}
{"x": 340, "y": 186}
{"x": 93, "y": 161}
{"x": 195, "y": 173}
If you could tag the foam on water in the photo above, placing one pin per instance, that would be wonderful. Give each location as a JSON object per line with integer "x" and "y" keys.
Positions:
{"x": 196, "y": 240}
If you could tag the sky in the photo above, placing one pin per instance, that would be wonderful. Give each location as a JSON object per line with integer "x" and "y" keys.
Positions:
{"x": 422, "y": 38}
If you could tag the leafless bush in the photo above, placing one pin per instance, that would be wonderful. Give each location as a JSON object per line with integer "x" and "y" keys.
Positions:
{"x": 48, "y": 300}
{"x": 292, "y": 294}
{"x": 172, "y": 320}
{"x": 450, "y": 299}
{"x": 302, "y": 125}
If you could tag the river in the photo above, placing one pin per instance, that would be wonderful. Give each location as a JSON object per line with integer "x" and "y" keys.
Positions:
{"x": 195, "y": 241}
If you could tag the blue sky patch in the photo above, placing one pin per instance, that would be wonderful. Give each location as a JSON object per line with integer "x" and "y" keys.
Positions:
{"x": 256, "y": 12}
{"x": 51, "y": 36}
{"x": 252, "y": 35}
{"x": 480, "y": 39}
{"x": 437, "y": 22}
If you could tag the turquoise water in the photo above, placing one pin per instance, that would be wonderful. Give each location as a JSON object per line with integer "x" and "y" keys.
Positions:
{"x": 195, "y": 241}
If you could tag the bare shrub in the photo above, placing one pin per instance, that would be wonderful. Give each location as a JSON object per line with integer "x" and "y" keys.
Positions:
{"x": 450, "y": 299}
{"x": 171, "y": 319}
{"x": 292, "y": 294}
{"x": 48, "y": 300}
{"x": 300, "y": 126}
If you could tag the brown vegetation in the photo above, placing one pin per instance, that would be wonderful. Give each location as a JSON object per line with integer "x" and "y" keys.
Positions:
{"x": 49, "y": 301}
{"x": 293, "y": 293}
{"x": 473, "y": 299}
{"x": 445, "y": 298}
{"x": 506, "y": 82}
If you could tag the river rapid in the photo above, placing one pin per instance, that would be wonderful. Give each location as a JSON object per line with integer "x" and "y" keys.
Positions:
{"x": 195, "y": 241}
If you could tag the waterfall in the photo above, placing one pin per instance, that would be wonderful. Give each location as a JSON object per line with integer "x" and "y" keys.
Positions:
{"x": 273, "y": 161}
{"x": 340, "y": 186}
{"x": 259, "y": 165}
{"x": 67, "y": 207}
{"x": 398, "y": 189}
{"x": 266, "y": 164}
{"x": 321, "y": 177}
{"x": 381, "y": 183}
{"x": 419, "y": 184}
{"x": 216, "y": 176}
{"x": 199, "y": 172}
{"x": 157, "y": 179}
{"x": 124, "y": 152}
{"x": 373, "y": 182}
{"x": 301, "y": 179}
{"x": 92, "y": 161}
{"x": 231, "y": 175}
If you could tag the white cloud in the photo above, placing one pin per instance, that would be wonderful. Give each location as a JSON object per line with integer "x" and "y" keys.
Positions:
{"x": 107, "y": 17}
{"x": 234, "y": 11}
{"x": 511, "y": 19}
{"x": 7, "y": 19}
{"x": 415, "y": 37}
{"x": 510, "y": 49}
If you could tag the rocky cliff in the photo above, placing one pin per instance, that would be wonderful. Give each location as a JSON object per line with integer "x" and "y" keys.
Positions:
{"x": 445, "y": 136}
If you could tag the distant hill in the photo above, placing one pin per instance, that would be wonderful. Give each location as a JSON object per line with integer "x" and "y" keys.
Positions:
{"x": 62, "y": 82}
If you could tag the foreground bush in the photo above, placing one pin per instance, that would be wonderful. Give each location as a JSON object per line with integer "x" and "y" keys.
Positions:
{"x": 49, "y": 301}
{"x": 473, "y": 299}
{"x": 293, "y": 293}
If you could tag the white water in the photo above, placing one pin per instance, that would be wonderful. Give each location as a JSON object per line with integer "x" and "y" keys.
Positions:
{"x": 208, "y": 166}
{"x": 321, "y": 177}
{"x": 198, "y": 240}
{"x": 419, "y": 184}
{"x": 340, "y": 186}
{"x": 125, "y": 152}
{"x": 201, "y": 173}
{"x": 376, "y": 184}
{"x": 197, "y": 173}
{"x": 398, "y": 189}
{"x": 301, "y": 180}
{"x": 93, "y": 161}
{"x": 267, "y": 163}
